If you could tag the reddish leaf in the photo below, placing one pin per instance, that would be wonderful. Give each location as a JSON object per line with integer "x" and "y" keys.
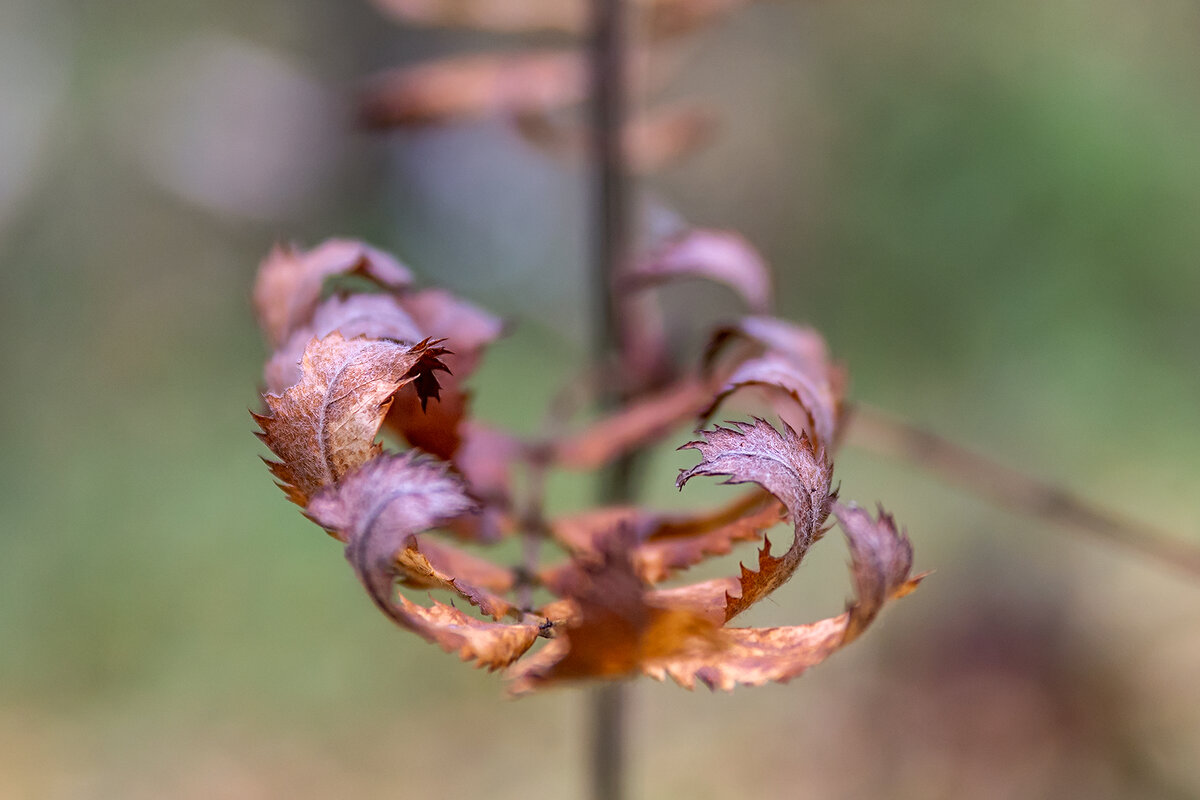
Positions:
{"x": 787, "y": 466}
{"x": 290, "y": 281}
{"x": 814, "y": 394}
{"x": 665, "y": 543}
{"x": 374, "y": 316}
{"x": 467, "y": 330}
{"x": 615, "y": 629}
{"x": 466, "y": 327}
{"x": 324, "y": 426}
{"x": 501, "y": 16}
{"x": 881, "y": 559}
{"x": 464, "y": 87}
{"x": 658, "y": 18}
{"x": 721, "y": 256}
{"x": 798, "y": 343}
{"x": 378, "y": 507}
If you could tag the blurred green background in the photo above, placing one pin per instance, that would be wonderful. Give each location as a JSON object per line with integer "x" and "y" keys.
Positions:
{"x": 991, "y": 210}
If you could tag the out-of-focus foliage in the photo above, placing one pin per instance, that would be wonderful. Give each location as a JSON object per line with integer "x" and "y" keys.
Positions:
{"x": 988, "y": 208}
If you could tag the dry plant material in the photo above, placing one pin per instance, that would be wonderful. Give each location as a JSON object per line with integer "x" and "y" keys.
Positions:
{"x": 466, "y": 87}
{"x": 381, "y": 350}
{"x": 659, "y": 18}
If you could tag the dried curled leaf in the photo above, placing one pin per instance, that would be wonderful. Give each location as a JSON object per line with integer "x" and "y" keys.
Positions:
{"x": 659, "y": 17}
{"x": 343, "y": 365}
{"x": 467, "y": 87}
{"x": 796, "y": 364}
{"x": 881, "y": 560}
{"x": 428, "y": 565}
{"x": 721, "y": 256}
{"x": 812, "y": 395}
{"x": 290, "y": 281}
{"x": 376, "y": 510}
{"x": 373, "y": 316}
{"x": 467, "y": 330}
{"x": 500, "y": 16}
{"x": 489, "y": 644}
{"x": 787, "y": 466}
{"x": 324, "y": 426}
{"x": 665, "y": 543}
{"x": 614, "y": 630}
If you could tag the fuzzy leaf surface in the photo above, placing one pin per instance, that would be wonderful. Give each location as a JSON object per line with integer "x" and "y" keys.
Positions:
{"x": 881, "y": 562}
{"x": 466, "y": 87}
{"x": 787, "y": 466}
{"x": 377, "y": 509}
{"x": 373, "y": 316}
{"x": 664, "y": 543}
{"x": 492, "y": 645}
{"x": 721, "y": 256}
{"x": 613, "y": 629}
{"x": 324, "y": 426}
{"x": 291, "y": 281}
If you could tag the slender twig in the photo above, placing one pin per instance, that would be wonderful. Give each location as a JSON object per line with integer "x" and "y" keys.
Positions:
{"x": 611, "y": 242}
{"x": 532, "y": 524}
{"x": 877, "y": 431}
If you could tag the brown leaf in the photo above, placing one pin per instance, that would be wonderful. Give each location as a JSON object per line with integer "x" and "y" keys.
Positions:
{"x": 707, "y": 599}
{"x": 665, "y": 543}
{"x": 432, "y": 428}
{"x": 798, "y": 343}
{"x": 374, "y": 316}
{"x": 466, "y": 87}
{"x": 797, "y": 363}
{"x": 290, "y": 281}
{"x": 754, "y": 656}
{"x": 500, "y": 16}
{"x": 658, "y": 18}
{"x": 378, "y": 507}
{"x": 720, "y": 256}
{"x": 324, "y": 426}
{"x": 614, "y": 630}
{"x": 787, "y": 466}
{"x": 467, "y": 330}
{"x": 652, "y": 142}
{"x": 489, "y": 644}
{"x": 430, "y": 565}
{"x": 814, "y": 393}
{"x": 636, "y": 425}
{"x": 881, "y": 559}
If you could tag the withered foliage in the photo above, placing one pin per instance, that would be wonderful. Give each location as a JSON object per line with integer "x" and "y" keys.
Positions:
{"x": 353, "y": 359}
{"x": 381, "y": 356}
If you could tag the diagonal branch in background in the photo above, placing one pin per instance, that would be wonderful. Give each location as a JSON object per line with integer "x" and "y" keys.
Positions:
{"x": 879, "y": 432}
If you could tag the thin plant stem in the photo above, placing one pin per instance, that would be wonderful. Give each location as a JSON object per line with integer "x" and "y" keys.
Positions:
{"x": 879, "y": 432}
{"x": 610, "y": 207}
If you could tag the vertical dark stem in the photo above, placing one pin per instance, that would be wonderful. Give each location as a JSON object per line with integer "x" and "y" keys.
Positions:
{"x": 610, "y": 201}
{"x": 611, "y": 242}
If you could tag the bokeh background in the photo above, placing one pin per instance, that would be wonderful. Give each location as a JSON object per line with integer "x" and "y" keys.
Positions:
{"x": 991, "y": 209}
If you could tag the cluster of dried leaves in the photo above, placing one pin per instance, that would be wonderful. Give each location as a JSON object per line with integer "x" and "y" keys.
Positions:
{"x": 352, "y": 358}
{"x": 535, "y": 88}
